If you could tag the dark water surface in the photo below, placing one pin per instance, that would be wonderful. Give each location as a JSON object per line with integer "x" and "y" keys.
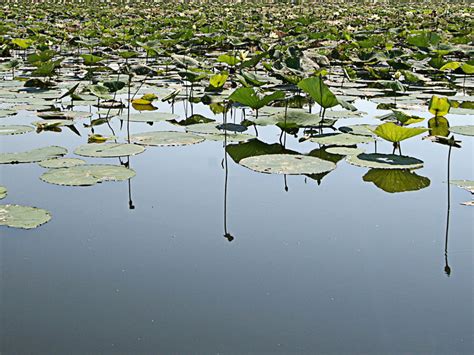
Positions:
{"x": 342, "y": 267}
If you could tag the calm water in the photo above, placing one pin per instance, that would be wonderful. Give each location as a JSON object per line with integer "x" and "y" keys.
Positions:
{"x": 342, "y": 267}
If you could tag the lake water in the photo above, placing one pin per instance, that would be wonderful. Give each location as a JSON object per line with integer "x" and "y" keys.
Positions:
{"x": 340, "y": 267}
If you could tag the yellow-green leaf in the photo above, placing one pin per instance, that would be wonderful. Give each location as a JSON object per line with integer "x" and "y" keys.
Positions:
{"x": 395, "y": 133}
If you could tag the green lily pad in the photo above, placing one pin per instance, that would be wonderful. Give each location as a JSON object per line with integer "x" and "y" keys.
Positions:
{"x": 3, "y": 192}
{"x": 462, "y": 130}
{"x": 396, "y": 180}
{"x": 344, "y": 150}
{"x": 108, "y": 150}
{"x": 5, "y": 113}
{"x": 359, "y": 129}
{"x": 384, "y": 161}
{"x": 340, "y": 139}
{"x": 287, "y": 164}
{"x": 210, "y": 131}
{"x": 14, "y": 129}
{"x": 294, "y": 118}
{"x": 165, "y": 138}
{"x": 61, "y": 163}
{"x": 149, "y": 117}
{"x": 24, "y": 217}
{"x": 33, "y": 156}
{"x": 87, "y": 175}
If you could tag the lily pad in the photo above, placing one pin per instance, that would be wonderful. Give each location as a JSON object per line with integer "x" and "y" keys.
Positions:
{"x": 61, "y": 163}
{"x": 359, "y": 129}
{"x": 24, "y": 217}
{"x": 3, "y": 192}
{"x": 287, "y": 164}
{"x": 465, "y": 184}
{"x": 165, "y": 138}
{"x": 108, "y": 150}
{"x": 87, "y": 175}
{"x": 33, "y": 156}
{"x": 462, "y": 130}
{"x": 385, "y": 161}
{"x": 149, "y": 117}
{"x": 340, "y": 139}
{"x": 344, "y": 150}
{"x": 396, "y": 180}
{"x": 6, "y": 130}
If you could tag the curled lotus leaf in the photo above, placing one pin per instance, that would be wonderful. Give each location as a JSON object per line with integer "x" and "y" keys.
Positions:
{"x": 33, "y": 156}
{"x": 287, "y": 164}
{"x": 87, "y": 175}
{"x": 384, "y": 161}
{"x": 165, "y": 138}
{"x": 340, "y": 139}
{"x": 24, "y": 217}
{"x": 6, "y": 130}
{"x": 61, "y": 163}
{"x": 108, "y": 150}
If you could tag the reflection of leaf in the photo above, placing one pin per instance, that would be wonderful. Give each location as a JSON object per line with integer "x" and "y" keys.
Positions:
{"x": 319, "y": 91}
{"x": 394, "y": 180}
{"x": 439, "y": 126}
{"x": 394, "y": 133}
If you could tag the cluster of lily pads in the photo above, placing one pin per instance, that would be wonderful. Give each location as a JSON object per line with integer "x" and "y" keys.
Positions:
{"x": 297, "y": 67}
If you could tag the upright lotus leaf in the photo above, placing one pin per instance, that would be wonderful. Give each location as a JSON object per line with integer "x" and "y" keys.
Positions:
{"x": 217, "y": 81}
{"x": 249, "y": 97}
{"x": 90, "y": 59}
{"x": 384, "y": 161}
{"x": 87, "y": 175}
{"x": 108, "y": 150}
{"x": 114, "y": 86}
{"x": 3, "y": 192}
{"x": 23, "y": 43}
{"x": 395, "y": 133}
{"x": 230, "y": 60}
{"x": 396, "y": 180}
{"x": 465, "y": 67}
{"x": 289, "y": 164}
{"x": 319, "y": 91}
{"x": 23, "y": 217}
{"x": 70, "y": 92}
{"x": 14, "y": 129}
{"x": 439, "y": 106}
{"x": 424, "y": 39}
{"x": 32, "y": 156}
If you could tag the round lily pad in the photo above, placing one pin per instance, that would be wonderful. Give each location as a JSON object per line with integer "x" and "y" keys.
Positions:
{"x": 87, "y": 175}
{"x": 3, "y": 192}
{"x": 108, "y": 150}
{"x": 23, "y": 216}
{"x": 344, "y": 150}
{"x": 165, "y": 138}
{"x": 340, "y": 139}
{"x": 287, "y": 164}
{"x": 33, "y": 156}
{"x": 61, "y": 163}
{"x": 462, "y": 130}
{"x": 359, "y": 129}
{"x": 149, "y": 117}
{"x": 14, "y": 129}
{"x": 385, "y": 161}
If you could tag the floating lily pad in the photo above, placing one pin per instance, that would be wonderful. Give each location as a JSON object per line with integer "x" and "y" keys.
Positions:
{"x": 468, "y": 203}
{"x": 465, "y": 184}
{"x": 86, "y": 175}
{"x": 24, "y": 217}
{"x": 61, "y": 163}
{"x": 396, "y": 180}
{"x": 149, "y": 117}
{"x": 3, "y": 192}
{"x": 294, "y": 117}
{"x": 254, "y": 148}
{"x": 359, "y": 129}
{"x": 165, "y": 138}
{"x": 340, "y": 139}
{"x": 14, "y": 129}
{"x": 287, "y": 164}
{"x": 462, "y": 130}
{"x": 108, "y": 150}
{"x": 344, "y": 114}
{"x": 344, "y": 150}
{"x": 33, "y": 156}
{"x": 384, "y": 161}
{"x": 5, "y": 113}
